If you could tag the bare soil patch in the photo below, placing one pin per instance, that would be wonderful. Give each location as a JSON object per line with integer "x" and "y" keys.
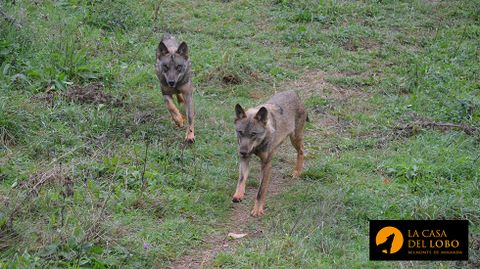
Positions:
{"x": 365, "y": 44}
{"x": 93, "y": 93}
{"x": 313, "y": 83}
{"x": 231, "y": 79}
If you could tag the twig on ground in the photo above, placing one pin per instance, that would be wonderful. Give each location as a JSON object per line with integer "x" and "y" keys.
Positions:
{"x": 93, "y": 228}
{"x": 145, "y": 159}
{"x": 9, "y": 19}
{"x": 410, "y": 128}
{"x": 44, "y": 177}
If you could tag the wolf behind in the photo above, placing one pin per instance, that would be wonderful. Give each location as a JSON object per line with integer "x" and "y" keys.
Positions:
{"x": 260, "y": 131}
{"x": 174, "y": 71}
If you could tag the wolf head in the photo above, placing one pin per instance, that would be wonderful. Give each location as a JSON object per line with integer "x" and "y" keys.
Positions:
{"x": 251, "y": 129}
{"x": 172, "y": 66}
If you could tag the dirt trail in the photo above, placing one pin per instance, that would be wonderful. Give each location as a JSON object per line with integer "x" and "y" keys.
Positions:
{"x": 240, "y": 218}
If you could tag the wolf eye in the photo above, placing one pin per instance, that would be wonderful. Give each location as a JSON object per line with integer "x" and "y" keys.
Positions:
{"x": 179, "y": 68}
{"x": 253, "y": 134}
{"x": 240, "y": 133}
{"x": 165, "y": 67}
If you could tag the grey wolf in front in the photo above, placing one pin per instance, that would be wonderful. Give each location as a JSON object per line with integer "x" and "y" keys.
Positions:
{"x": 260, "y": 130}
{"x": 174, "y": 70}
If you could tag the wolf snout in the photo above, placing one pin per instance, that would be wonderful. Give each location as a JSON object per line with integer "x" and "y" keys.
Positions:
{"x": 171, "y": 83}
{"x": 243, "y": 154}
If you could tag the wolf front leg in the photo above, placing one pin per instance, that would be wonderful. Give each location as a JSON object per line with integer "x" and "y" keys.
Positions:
{"x": 176, "y": 115}
{"x": 190, "y": 110}
{"x": 242, "y": 180}
{"x": 260, "y": 200}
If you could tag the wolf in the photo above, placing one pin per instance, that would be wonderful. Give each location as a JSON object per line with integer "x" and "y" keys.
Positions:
{"x": 260, "y": 131}
{"x": 174, "y": 71}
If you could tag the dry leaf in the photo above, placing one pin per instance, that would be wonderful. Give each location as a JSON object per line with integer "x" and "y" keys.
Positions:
{"x": 234, "y": 236}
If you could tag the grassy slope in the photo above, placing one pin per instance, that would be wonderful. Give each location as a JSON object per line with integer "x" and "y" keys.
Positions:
{"x": 410, "y": 60}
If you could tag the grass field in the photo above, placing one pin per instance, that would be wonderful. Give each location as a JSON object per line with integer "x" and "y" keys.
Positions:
{"x": 93, "y": 173}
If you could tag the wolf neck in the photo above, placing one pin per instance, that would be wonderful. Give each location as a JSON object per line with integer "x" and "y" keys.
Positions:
{"x": 269, "y": 137}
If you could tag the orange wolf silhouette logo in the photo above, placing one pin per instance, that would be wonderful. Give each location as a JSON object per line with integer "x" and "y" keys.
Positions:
{"x": 387, "y": 245}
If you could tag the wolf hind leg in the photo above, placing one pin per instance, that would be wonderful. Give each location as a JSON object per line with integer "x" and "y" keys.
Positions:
{"x": 297, "y": 141}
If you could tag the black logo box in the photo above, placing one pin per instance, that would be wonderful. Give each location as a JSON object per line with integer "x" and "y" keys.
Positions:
{"x": 454, "y": 229}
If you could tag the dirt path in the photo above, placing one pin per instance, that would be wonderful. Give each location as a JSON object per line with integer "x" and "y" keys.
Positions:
{"x": 239, "y": 219}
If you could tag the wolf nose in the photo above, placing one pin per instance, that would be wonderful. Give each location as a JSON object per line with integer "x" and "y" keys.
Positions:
{"x": 243, "y": 154}
{"x": 171, "y": 83}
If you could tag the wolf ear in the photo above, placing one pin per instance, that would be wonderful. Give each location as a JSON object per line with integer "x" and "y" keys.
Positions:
{"x": 183, "y": 50}
{"x": 239, "y": 112}
{"x": 262, "y": 115}
{"x": 162, "y": 50}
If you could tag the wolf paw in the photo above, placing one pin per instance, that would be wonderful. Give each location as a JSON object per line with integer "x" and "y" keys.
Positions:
{"x": 237, "y": 199}
{"x": 190, "y": 139}
{"x": 296, "y": 174}
{"x": 257, "y": 212}
{"x": 179, "y": 121}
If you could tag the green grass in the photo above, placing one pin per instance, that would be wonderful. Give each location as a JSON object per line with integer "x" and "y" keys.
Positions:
{"x": 136, "y": 207}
